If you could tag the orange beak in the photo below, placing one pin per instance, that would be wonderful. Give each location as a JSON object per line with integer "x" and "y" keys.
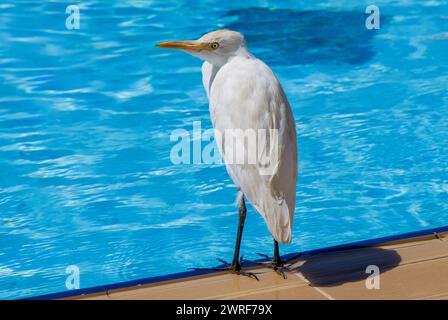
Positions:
{"x": 191, "y": 45}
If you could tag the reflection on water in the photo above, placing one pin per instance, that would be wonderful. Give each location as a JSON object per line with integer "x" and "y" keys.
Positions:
{"x": 86, "y": 116}
{"x": 303, "y": 37}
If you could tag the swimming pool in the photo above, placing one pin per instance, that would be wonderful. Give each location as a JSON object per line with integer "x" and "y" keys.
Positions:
{"x": 86, "y": 117}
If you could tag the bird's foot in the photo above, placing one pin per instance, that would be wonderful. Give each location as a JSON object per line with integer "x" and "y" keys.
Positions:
{"x": 290, "y": 261}
{"x": 280, "y": 270}
{"x": 280, "y": 267}
{"x": 234, "y": 268}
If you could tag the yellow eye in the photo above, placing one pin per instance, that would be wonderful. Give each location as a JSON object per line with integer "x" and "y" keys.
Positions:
{"x": 214, "y": 45}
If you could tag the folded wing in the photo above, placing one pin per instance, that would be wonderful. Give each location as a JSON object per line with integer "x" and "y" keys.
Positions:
{"x": 247, "y": 99}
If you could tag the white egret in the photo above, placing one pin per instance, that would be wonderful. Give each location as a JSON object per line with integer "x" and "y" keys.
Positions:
{"x": 244, "y": 94}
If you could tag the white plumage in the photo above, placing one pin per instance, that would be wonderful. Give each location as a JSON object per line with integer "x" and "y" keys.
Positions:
{"x": 245, "y": 94}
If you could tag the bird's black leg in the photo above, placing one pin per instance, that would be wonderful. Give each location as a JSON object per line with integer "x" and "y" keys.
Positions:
{"x": 277, "y": 260}
{"x": 236, "y": 262}
{"x": 235, "y": 267}
{"x": 277, "y": 263}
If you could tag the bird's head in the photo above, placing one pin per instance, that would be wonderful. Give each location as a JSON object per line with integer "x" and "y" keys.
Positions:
{"x": 215, "y": 47}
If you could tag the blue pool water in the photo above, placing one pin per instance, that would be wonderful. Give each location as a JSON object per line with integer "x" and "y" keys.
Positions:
{"x": 86, "y": 117}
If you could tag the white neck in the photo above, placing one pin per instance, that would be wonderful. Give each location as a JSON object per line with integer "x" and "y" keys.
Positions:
{"x": 213, "y": 63}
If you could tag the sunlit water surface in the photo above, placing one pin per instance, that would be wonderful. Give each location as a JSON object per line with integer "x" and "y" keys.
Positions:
{"x": 86, "y": 117}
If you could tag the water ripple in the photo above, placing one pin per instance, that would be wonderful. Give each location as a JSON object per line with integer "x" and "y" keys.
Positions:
{"x": 86, "y": 117}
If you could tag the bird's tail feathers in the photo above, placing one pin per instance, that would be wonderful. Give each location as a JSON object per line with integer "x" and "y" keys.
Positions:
{"x": 278, "y": 221}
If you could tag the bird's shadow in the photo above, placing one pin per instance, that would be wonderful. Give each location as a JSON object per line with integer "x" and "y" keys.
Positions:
{"x": 293, "y": 37}
{"x": 339, "y": 267}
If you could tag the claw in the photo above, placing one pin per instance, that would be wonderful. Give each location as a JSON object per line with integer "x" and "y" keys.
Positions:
{"x": 249, "y": 274}
{"x": 278, "y": 267}
{"x": 255, "y": 262}
{"x": 223, "y": 261}
{"x": 263, "y": 255}
{"x": 229, "y": 267}
{"x": 280, "y": 271}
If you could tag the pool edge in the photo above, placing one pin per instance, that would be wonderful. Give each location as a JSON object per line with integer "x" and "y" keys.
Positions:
{"x": 409, "y": 236}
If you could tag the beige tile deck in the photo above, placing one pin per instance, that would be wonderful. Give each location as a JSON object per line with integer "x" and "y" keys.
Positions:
{"x": 412, "y": 269}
